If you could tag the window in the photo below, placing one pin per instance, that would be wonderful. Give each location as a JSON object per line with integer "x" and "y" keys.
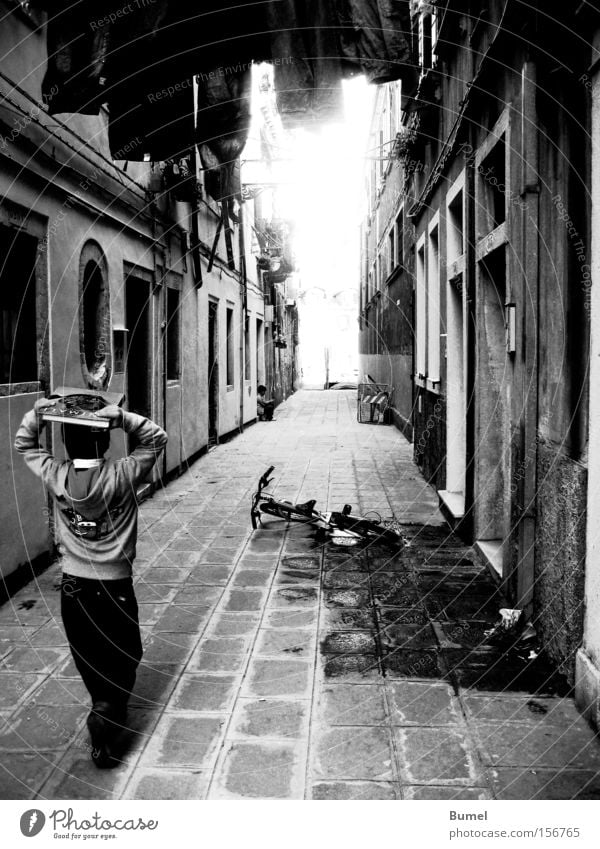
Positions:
{"x": 421, "y": 311}
{"x": 94, "y": 317}
{"x": 492, "y": 187}
{"x": 433, "y": 307}
{"x": 392, "y": 250}
{"x": 260, "y": 345}
{"x": 230, "y": 350}
{"x": 173, "y": 334}
{"x": 455, "y": 231}
{"x": 399, "y": 238}
{"x": 18, "y": 354}
{"x": 425, "y": 51}
{"x": 247, "y": 364}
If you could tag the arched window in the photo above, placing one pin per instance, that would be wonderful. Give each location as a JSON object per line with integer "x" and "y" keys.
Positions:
{"x": 94, "y": 317}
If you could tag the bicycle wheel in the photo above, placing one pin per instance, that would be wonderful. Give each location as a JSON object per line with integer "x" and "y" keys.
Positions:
{"x": 284, "y": 510}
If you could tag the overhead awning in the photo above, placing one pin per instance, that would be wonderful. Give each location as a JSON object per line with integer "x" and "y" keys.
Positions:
{"x": 141, "y": 58}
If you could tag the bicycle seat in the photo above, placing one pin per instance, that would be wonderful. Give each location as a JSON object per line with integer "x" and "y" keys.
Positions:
{"x": 306, "y": 508}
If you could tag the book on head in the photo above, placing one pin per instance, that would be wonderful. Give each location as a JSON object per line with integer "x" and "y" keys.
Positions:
{"x": 80, "y": 406}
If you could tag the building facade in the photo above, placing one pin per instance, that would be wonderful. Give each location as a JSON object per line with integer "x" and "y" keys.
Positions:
{"x": 486, "y": 201}
{"x": 115, "y": 275}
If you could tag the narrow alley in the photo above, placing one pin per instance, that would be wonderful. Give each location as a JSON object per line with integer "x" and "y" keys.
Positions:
{"x": 278, "y": 668}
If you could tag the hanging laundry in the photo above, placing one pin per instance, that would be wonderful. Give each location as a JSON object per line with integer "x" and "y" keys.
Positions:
{"x": 141, "y": 59}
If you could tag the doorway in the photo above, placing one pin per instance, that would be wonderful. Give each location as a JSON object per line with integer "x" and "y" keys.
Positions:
{"x": 138, "y": 368}
{"x": 494, "y": 379}
{"x": 213, "y": 373}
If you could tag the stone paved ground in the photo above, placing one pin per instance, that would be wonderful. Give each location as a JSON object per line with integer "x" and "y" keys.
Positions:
{"x": 278, "y": 668}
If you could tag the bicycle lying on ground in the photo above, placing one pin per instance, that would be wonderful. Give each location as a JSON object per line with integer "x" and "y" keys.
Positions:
{"x": 342, "y": 528}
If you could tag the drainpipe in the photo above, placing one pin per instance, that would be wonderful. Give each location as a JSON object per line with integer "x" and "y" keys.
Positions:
{"x": 470, "y": 306}
{"x": 529, "y": 341}
{"x": 244, "y": 311}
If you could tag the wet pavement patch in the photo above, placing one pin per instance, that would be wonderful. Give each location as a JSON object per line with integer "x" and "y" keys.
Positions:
{"x": 352, "y": 666}
{"x": 349, "y": 642}
{"x": 402, "y": 663}
{"x": 296, "y": 596}
{"x": 347, "y": 598}
{"x": 408, "y": 637}
{"x": 348, "y": 619}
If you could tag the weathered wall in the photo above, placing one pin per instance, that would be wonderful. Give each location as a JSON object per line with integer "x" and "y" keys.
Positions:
{"x": 560, "y": 554}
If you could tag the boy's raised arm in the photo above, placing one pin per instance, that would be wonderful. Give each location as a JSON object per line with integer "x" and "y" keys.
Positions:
{"x": 27, "y": 442}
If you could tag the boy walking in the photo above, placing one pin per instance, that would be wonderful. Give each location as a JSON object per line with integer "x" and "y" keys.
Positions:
{"x": 96, "y": 529}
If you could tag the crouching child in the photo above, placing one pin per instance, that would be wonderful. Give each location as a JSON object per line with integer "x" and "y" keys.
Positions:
{"x": 96, "y": 532}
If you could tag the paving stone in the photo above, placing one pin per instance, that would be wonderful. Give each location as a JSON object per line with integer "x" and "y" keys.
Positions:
{"x": 79, "y": 778}
{"x": 536, "y": 710}
{"x": 149, "y": 614}
{"x": 244, "y": 600}
{"x": 408, "y": 637}
{"x": 434, "y": 756}
{"x": 389, "y": 617}
{"x": 347, "y": 598}
{"x": 361, "y": 668}
{"x": 446, "y": 793}
{"x": 347, "y": 619}
{"x": 60, "y": 691}
{"x": 14, "y": 687}
{"x": 41, "y": 727}
{"x": 412, "y": 664}
{"x": 291, "y": 618}
{"x": 219, "y": 654}
{"x": 169, "y": 784}
{"x": 209, "y": 575}
{"x": 342, "y": 561}
{"x": 233, "y": 624}
{"x": 563, "y": 783}
{"x": 359, "y": 753}
{"x": 167, "y": 647}
{"x": 270, "y": 719}
{"x": 32, "y": 659}
{"x": 359, "y": 790}
{"x": 183, "y": 620}
{"x": 294, "y": 642}
{"x": 293, "y": 596}
{"x": 527, "y": 745}
{"x": 265, "y": 770}
{"x": 204, "y": 693}
{"x": 416, "y": 703}
{"x": 349, "y": 642}
{"x": 154, "y": 593}
{"x": 278, "y": 678}
{"x": 160, "y": 575}
{"x": 23, "y": 773}
{"x": 202, "y": 596}
{"x": 352, "y": 704}
{"x": 288, "y": 577}
{"x": 154, "y": 684}
{"x": 190, "y": 741}
{"x": 50, "y": 635}
{"x": 337, "y": 580}
{"x": 252, "y": 578}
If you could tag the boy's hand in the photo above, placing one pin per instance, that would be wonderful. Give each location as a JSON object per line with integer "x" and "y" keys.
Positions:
{"x": 38, "y": 408}
{"x": 112, "y": 412}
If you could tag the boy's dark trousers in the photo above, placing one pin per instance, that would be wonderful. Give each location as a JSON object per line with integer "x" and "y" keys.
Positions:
{"x": 102, "y": 626}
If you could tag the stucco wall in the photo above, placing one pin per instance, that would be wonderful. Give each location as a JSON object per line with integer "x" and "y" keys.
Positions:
{"x": 560, "y": 554}
{"x": 23, "y": 511}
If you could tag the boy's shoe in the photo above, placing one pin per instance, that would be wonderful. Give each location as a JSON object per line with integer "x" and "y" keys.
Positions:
{"x": 103, "y": 730}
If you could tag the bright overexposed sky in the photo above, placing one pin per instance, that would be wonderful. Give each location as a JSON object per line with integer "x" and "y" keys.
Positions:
{"x": 320, "y": 175}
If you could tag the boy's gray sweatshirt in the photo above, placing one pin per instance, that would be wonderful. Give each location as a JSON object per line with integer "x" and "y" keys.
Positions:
{"x": 106, "y": 493}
